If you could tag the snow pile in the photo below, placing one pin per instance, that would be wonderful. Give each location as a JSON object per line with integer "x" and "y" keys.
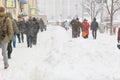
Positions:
{"x": 59, "y": 57}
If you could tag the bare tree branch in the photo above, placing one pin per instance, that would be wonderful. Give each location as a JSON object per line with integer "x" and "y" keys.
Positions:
{"x": 116, "y": 10}
{"x": 107, "y": 7}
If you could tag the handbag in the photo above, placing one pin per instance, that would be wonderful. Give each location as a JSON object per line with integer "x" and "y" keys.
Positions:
{"x": 84, "y": 34}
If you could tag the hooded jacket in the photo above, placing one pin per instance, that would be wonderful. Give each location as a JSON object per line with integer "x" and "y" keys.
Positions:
{"x": 14, "y": 23}
{"x": 94, "y": 24}
{"x": 85, "y": 26}
{"x": 7, "y": 26}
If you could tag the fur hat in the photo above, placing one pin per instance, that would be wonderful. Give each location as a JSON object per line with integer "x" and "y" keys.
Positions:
{"x": 2, "y": 9}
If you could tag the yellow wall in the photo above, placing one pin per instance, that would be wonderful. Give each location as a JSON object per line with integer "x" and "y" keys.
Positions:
{"x": 1, "y": 2}
{"x": 16, "y": 11}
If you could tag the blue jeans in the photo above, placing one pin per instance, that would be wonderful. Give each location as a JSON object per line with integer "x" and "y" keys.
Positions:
{"x": 14, "y": 40}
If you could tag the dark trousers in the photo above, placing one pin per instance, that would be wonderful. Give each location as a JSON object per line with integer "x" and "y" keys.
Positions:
{"x": 29, "y": 41}
{"x": 94, "y": 33}
{"x": 9, "y": 48}
{"x": 34, "y": 40}
{"x": 74, "y": 34}
{"x": 20, "y": 37}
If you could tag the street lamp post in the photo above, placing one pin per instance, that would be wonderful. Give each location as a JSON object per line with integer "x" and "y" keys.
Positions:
{"x": 76, "y": 8}
{"x": 82, "y": 11}
{"x": 102, "y": 3}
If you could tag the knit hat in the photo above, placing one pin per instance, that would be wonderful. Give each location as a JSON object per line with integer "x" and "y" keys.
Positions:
{"x": 2, "y": 9}
{"x": 94, "y": 19}
{"x": 85, "y": 19}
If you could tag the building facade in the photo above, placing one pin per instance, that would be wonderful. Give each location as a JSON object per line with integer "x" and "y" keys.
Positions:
{"x": 57, "y": 9}
{"x": 20, "y": 7}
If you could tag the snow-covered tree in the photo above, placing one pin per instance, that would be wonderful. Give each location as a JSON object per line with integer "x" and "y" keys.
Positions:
{"x": 91, "y": 7}
{"x": 112, "y": 7}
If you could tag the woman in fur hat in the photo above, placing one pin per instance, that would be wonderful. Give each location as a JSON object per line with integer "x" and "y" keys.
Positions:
{"x": 6, "y": 27}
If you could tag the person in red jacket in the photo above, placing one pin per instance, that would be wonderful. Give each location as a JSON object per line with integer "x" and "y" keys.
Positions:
{"x": 85, "y": 28}
{"x": 118, "y": 38}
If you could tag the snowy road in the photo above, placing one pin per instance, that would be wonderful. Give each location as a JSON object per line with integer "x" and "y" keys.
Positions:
{"x": 59, "y": 57}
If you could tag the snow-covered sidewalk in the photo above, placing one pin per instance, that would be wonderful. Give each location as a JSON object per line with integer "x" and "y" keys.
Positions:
{"x": 59, "y": 57}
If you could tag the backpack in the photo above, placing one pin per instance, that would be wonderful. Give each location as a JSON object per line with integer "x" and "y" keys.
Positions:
{"x": 3, "y": 30}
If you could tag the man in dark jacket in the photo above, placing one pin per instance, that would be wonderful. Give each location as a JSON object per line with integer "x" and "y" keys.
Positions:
{"x": 29, "y": 31}
{"x": 94, "y": 27}
{"x": 36, "y": 28}
{"x": 21, "y": 27}
{"x": 75, "y": 24}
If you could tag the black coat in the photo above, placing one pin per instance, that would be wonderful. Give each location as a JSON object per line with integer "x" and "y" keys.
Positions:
{"x": 94, "y": 25}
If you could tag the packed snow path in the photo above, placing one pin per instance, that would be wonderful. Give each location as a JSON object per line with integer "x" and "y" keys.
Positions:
{"x": 59, "y": 57}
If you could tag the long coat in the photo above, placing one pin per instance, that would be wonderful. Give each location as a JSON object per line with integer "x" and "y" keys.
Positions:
{"x": 85, "y": 26}
{"x": 7, "y": 27}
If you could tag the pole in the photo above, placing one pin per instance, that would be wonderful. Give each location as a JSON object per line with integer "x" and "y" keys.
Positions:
{"x": 76, "y": 7}
{"x": 82, "y": 11}
{"x": 102, "y": 11}
{"x": 36, "y": 3}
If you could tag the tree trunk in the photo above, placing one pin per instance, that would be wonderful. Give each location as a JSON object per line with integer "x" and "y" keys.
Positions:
{"x": 111, "y": 24}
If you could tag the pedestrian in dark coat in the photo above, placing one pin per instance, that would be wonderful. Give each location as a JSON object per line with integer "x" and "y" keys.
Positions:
{"x": 21, "y": 27}
{"x": 75, "y": 24}
{"x": 94, "y": 27}
{"x": 118, "y": 37}
{"x": 79, "y": 24}
{"x": 29, "y": 31}
{"x": 36, "y": 28}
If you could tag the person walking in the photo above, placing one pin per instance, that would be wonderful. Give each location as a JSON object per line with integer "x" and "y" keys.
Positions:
{"x": 85, "y": 28}
{"x": 75, "y": 24}
{"x": 118, "y": 38}
{"x": 21, "y": 26}
{"x": 94, "y": 27}
{"x": 29, "y": 32}
{"x": 16, "y": 31}
{"x": 6, "y": 35}
{"x": 79, "y": 25}
{"x": 42, "y": 25}
{"x": 36, "y": 28}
